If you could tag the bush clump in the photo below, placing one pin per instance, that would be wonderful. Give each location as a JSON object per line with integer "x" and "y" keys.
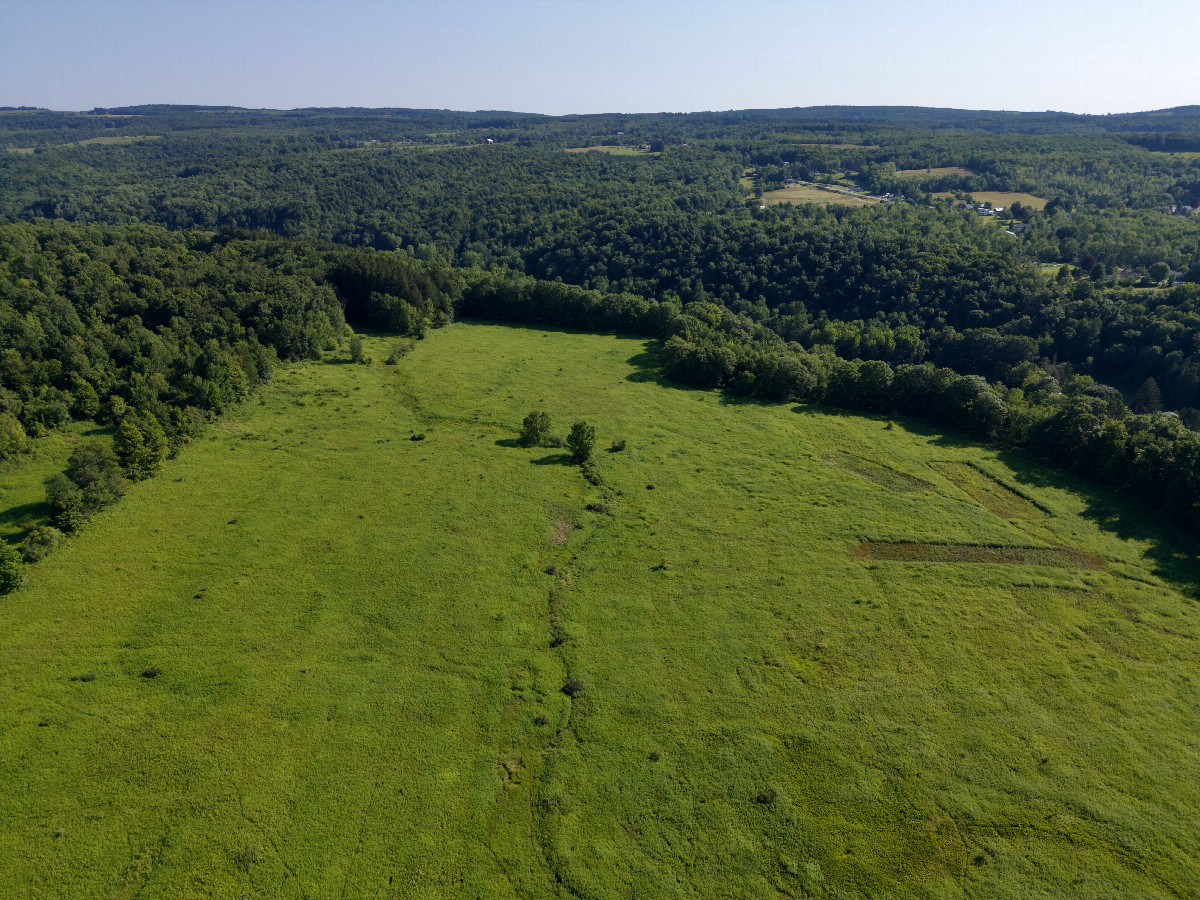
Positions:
{"x": 41, "y": 542}
{"x": 581, "y": 441}
{"x": 617, "y": 446}
{"x": 591, "y": 471}
{"x": 535, "y": 429}
{"x": 11, "y": 574}
{"x": 572, "y": 687}
{"x": 766, "y": 796}
{"x": 91, "y": 481}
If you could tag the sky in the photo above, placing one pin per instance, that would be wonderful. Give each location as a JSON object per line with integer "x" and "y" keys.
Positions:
{"x": 580, "y": 56}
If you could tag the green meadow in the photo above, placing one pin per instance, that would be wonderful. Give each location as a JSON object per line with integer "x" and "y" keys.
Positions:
{"x": 805, "y": 654}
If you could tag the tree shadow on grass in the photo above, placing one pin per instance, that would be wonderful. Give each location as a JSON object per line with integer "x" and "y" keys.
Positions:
{"x": 554, "y": 459}
{"x": 645, "y": 365}
{"x": 28, "y": 515}
{"x": 1170, "y": 552}
{"x": 509, "y": 442}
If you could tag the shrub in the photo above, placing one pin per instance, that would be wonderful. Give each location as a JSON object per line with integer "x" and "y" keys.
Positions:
{"x": 618, "y": 446}
{"x": 557, "y": 440}
{"x": 12, "y": 435}
{"x": 535, "y": 429}
{"x": 419, "y": 436}
{"x": 572, "y": 687}
{"x": 398, "y": 353}
{"x": 356, "y": 348}
{"x": 581, "y": 441}
{"x": 66, "y": 503}
{"x": 41, "y": 542}
{"x": 152, "y": 672}
{"x": 591, "y": 471}
{"x": 766, "y": 796}
{"x": 11, "y": 573}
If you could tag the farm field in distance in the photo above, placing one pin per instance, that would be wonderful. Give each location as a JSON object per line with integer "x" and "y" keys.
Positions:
{"x": 939, "y": 170}
{"x": 611, "y": 149}
{"x": 807, "y": 652}
{"x": 1002, "y": 198}
{"x": 808, "y": 193}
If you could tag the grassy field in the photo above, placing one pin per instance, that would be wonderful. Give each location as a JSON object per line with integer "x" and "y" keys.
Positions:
{"x": 22, "y": 487}
{"x": 610, "y": 148}
{"x": 940, "y": 170}
{"x": 807, "y": 193}
{"x": 1002, "y": 198}
{"x": 810, "y": 653}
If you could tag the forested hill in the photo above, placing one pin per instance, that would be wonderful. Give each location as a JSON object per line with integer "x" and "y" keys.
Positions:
{"x": 784, "y": 253}
{"x": 156, "y": 331}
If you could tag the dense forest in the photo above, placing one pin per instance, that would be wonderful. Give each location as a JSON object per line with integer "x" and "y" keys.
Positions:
{"x": 158, "y": 261}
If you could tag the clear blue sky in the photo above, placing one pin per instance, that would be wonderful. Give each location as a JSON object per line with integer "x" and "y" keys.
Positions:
{"x": 615, "y": 56}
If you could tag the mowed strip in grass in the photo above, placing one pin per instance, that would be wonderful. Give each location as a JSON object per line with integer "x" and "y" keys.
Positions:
{"x": 360, "y": 642}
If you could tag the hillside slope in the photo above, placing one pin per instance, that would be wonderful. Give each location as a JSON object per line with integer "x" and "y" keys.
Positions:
{"x": 810, "y": 655}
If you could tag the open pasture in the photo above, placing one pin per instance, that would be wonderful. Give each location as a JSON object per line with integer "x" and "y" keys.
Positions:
{"x": 610, "y": 149}
{"x": 781, "y": 651}
{"x": 938, "y": 170}
{"x": 1008, "y": 198}
{"x": 808, "y": 193}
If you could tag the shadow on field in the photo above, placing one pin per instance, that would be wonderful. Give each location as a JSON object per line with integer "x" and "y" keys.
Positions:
{"x": 509, "y": 442}
{"x": 554, "y": 459}
{"x": 1173, "y": 551}
{"x": 29, "y": 513}
{"x": 645, "y": 366}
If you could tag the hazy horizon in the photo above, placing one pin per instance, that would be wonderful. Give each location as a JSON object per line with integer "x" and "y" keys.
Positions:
{"x": 576, "y": 58}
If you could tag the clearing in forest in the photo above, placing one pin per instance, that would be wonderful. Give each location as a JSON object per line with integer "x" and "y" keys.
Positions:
{"x": 937, "y": 170}
{"x": 611, "y": 149}
{"x": 811, "y": 193}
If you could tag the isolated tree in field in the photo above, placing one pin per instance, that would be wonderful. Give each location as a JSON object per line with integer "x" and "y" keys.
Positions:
{"x": 535, "y": 429}
{"x": 581, "y": 441}
{"x": 10, "y": 568}
{"x": 356, "y": 348}
{"x": 141, "y": 446}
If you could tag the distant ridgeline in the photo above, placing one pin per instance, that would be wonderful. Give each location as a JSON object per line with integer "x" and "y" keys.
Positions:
{"x": 135, "y": 324}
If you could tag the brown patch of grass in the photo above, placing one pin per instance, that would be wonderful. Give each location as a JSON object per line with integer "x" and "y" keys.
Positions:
{"x": 912, "y": 551}
{"x": 562, "y": 531}
{"x": 882, "y": 475}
